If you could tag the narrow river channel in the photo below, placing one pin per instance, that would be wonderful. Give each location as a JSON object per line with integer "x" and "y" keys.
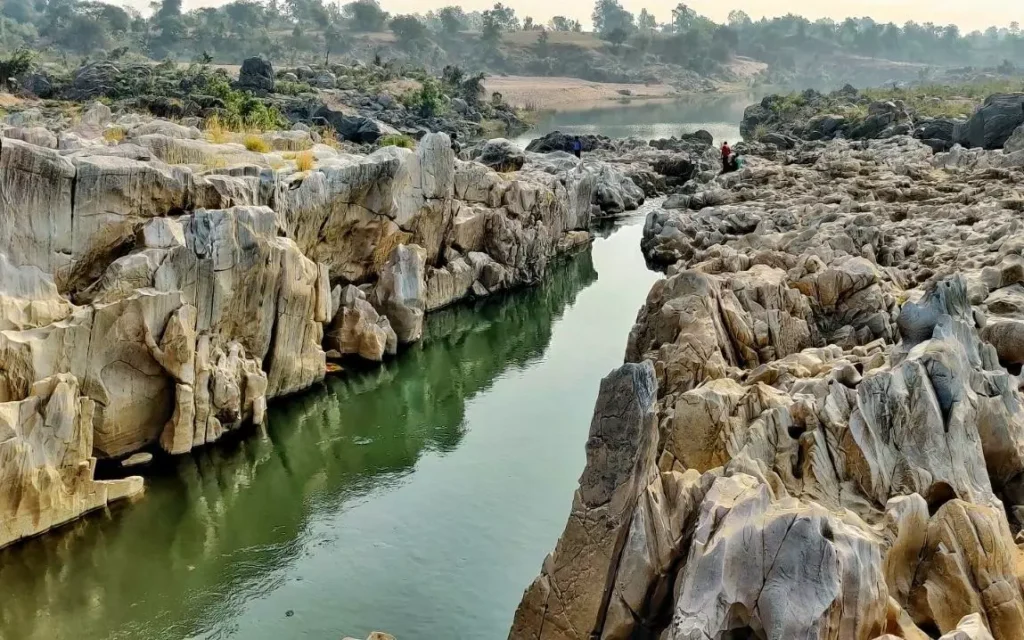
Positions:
{"x": 418, "y": 498}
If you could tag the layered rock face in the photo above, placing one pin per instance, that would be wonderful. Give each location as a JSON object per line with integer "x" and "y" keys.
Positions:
{"x": 819, "y": 430}
{"x": 147, "y": 304}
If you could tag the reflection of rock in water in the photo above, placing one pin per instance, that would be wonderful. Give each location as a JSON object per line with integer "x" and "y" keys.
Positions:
{"x": 220, "y": 521}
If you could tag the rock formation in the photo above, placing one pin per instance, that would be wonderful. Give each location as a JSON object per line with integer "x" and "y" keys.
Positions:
{"x": 149, "y": 301}
{"x": 831, "y": 438}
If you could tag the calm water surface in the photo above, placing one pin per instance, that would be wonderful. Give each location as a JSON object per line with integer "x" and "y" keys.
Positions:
{"x": 719, "y": 115}
{"x": 418, "y": 498}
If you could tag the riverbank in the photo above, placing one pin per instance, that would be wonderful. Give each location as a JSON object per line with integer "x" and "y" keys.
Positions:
{"x": 546, "y": 94}
{"x": 424, "y": 480}
{"x": 572, "y": 94}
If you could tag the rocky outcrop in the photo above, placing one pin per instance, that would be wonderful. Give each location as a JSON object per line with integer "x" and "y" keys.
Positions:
{"x": 256, "y": 74}
{"x": 46, "y": 462}
{"x": 839, "y": 415}
{"x": 994, "y": 122}
{"x": 152, "y": 305}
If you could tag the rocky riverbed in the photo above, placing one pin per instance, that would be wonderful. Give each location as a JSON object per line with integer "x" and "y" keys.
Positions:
{"x": 818, "y": 431}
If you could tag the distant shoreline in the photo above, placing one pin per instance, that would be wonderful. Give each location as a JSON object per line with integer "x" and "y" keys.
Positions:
{"x": 542, "y": 93}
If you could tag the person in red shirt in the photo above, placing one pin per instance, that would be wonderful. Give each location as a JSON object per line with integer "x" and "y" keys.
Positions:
{"x": 726, "y": 153}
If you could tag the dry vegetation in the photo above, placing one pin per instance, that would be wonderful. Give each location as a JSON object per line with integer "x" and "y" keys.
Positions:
{"x": 255, "y": 142}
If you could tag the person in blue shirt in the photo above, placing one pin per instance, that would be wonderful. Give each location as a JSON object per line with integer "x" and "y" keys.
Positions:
{"x": 577, "y": 147}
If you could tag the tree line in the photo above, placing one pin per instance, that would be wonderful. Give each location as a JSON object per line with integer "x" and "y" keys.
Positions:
{"x": 313, "y": 29}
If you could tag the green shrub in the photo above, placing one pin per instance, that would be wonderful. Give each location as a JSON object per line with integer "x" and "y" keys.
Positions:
{"x": 427, "y": 100}
{"x": 397, "y": 140}
{"x": 243, "y": 111}
{"x": 287, "y": 88}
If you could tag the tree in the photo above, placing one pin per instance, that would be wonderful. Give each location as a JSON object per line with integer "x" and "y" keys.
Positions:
{"x": 561, "y": 23}
{"x": 505, "y": 17}
{"x": 490, "y": 35}
{"x": 616, "y": 37}
{"x": 609, "y": 15}
{"x": 84, "y": 34}
{"x": 18, "y": 10}
{"x": 739, "y": 19}
{"x": 646, "y": 22}
{"x": 542, "y": 43}
{"x": 364, "y": 16}
{"x": 453, "y": 19}
{"x": 333, "y": 41}
{"x": 683, "y": 18}
{"x": 409, "y": 30}
{"x": 528, "y": 23}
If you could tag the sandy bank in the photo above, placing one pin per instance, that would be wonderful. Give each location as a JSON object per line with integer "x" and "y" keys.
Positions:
{"x": 565, "y": 94}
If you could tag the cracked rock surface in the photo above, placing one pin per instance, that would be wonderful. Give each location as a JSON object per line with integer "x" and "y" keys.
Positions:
{"x": 834, "y": 448}
{"x": 154, "y": 299}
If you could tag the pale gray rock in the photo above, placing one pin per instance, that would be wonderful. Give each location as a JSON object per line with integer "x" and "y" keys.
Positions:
{"x": 400, "y": 293}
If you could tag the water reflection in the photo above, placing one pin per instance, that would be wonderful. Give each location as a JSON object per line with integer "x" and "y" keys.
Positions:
{"x": 221, "y": 527}
{"x": 720, "y": 115}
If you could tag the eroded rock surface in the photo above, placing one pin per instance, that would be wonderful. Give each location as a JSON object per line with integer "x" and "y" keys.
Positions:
{"x": 840, "y": 421}
{"x": 148, "y": 301}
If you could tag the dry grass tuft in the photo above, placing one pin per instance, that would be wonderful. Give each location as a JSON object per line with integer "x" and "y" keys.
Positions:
{"x": 256, "y": 143}
{"x": 330, "y": 137}
{"x": 304, "y": 160}
{"x": 216, "y": 132}
{"x": 114, "y": 135}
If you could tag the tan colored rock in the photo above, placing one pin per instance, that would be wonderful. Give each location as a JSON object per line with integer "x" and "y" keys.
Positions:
{"x": 46, "y": 463}
{"x": 970, "y": 627}
{"x": 28, "y": 297}
{"x": 969, "y": 566}
{"x": 791, "y": 570}
{"x": 358, "y": 329}
{"x": 35, "y": 207}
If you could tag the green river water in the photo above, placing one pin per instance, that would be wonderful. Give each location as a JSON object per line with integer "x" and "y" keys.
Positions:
{"x": 419, "y": 498}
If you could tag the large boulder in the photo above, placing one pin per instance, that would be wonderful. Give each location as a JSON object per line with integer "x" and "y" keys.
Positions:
{"x": 357, "y": 329}
{"x": 994, "y": 122}
{"x": 501, "y": 155}
{"x": 355, "y": 128}
{"x": 257, "y": 74}
{"x": 558, "y": 141}
{"x": 1016, "y": 141}
{"x": 46, "y": 463}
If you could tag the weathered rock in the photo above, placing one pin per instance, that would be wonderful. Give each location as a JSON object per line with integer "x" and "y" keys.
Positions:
{"x": 360, "y": 129}
{"x": 785, "y": 569}
{"x": 46, "y": 463}
{"x": 400, "y": 293}
{"x": 845, "y": 406}
{"x": 994, "y": 122}
{"x": 257, "y": 74}
{"x": 501, "y": 155}
{"x": 568, "y": 599}
{"x": 357, "y": 329}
